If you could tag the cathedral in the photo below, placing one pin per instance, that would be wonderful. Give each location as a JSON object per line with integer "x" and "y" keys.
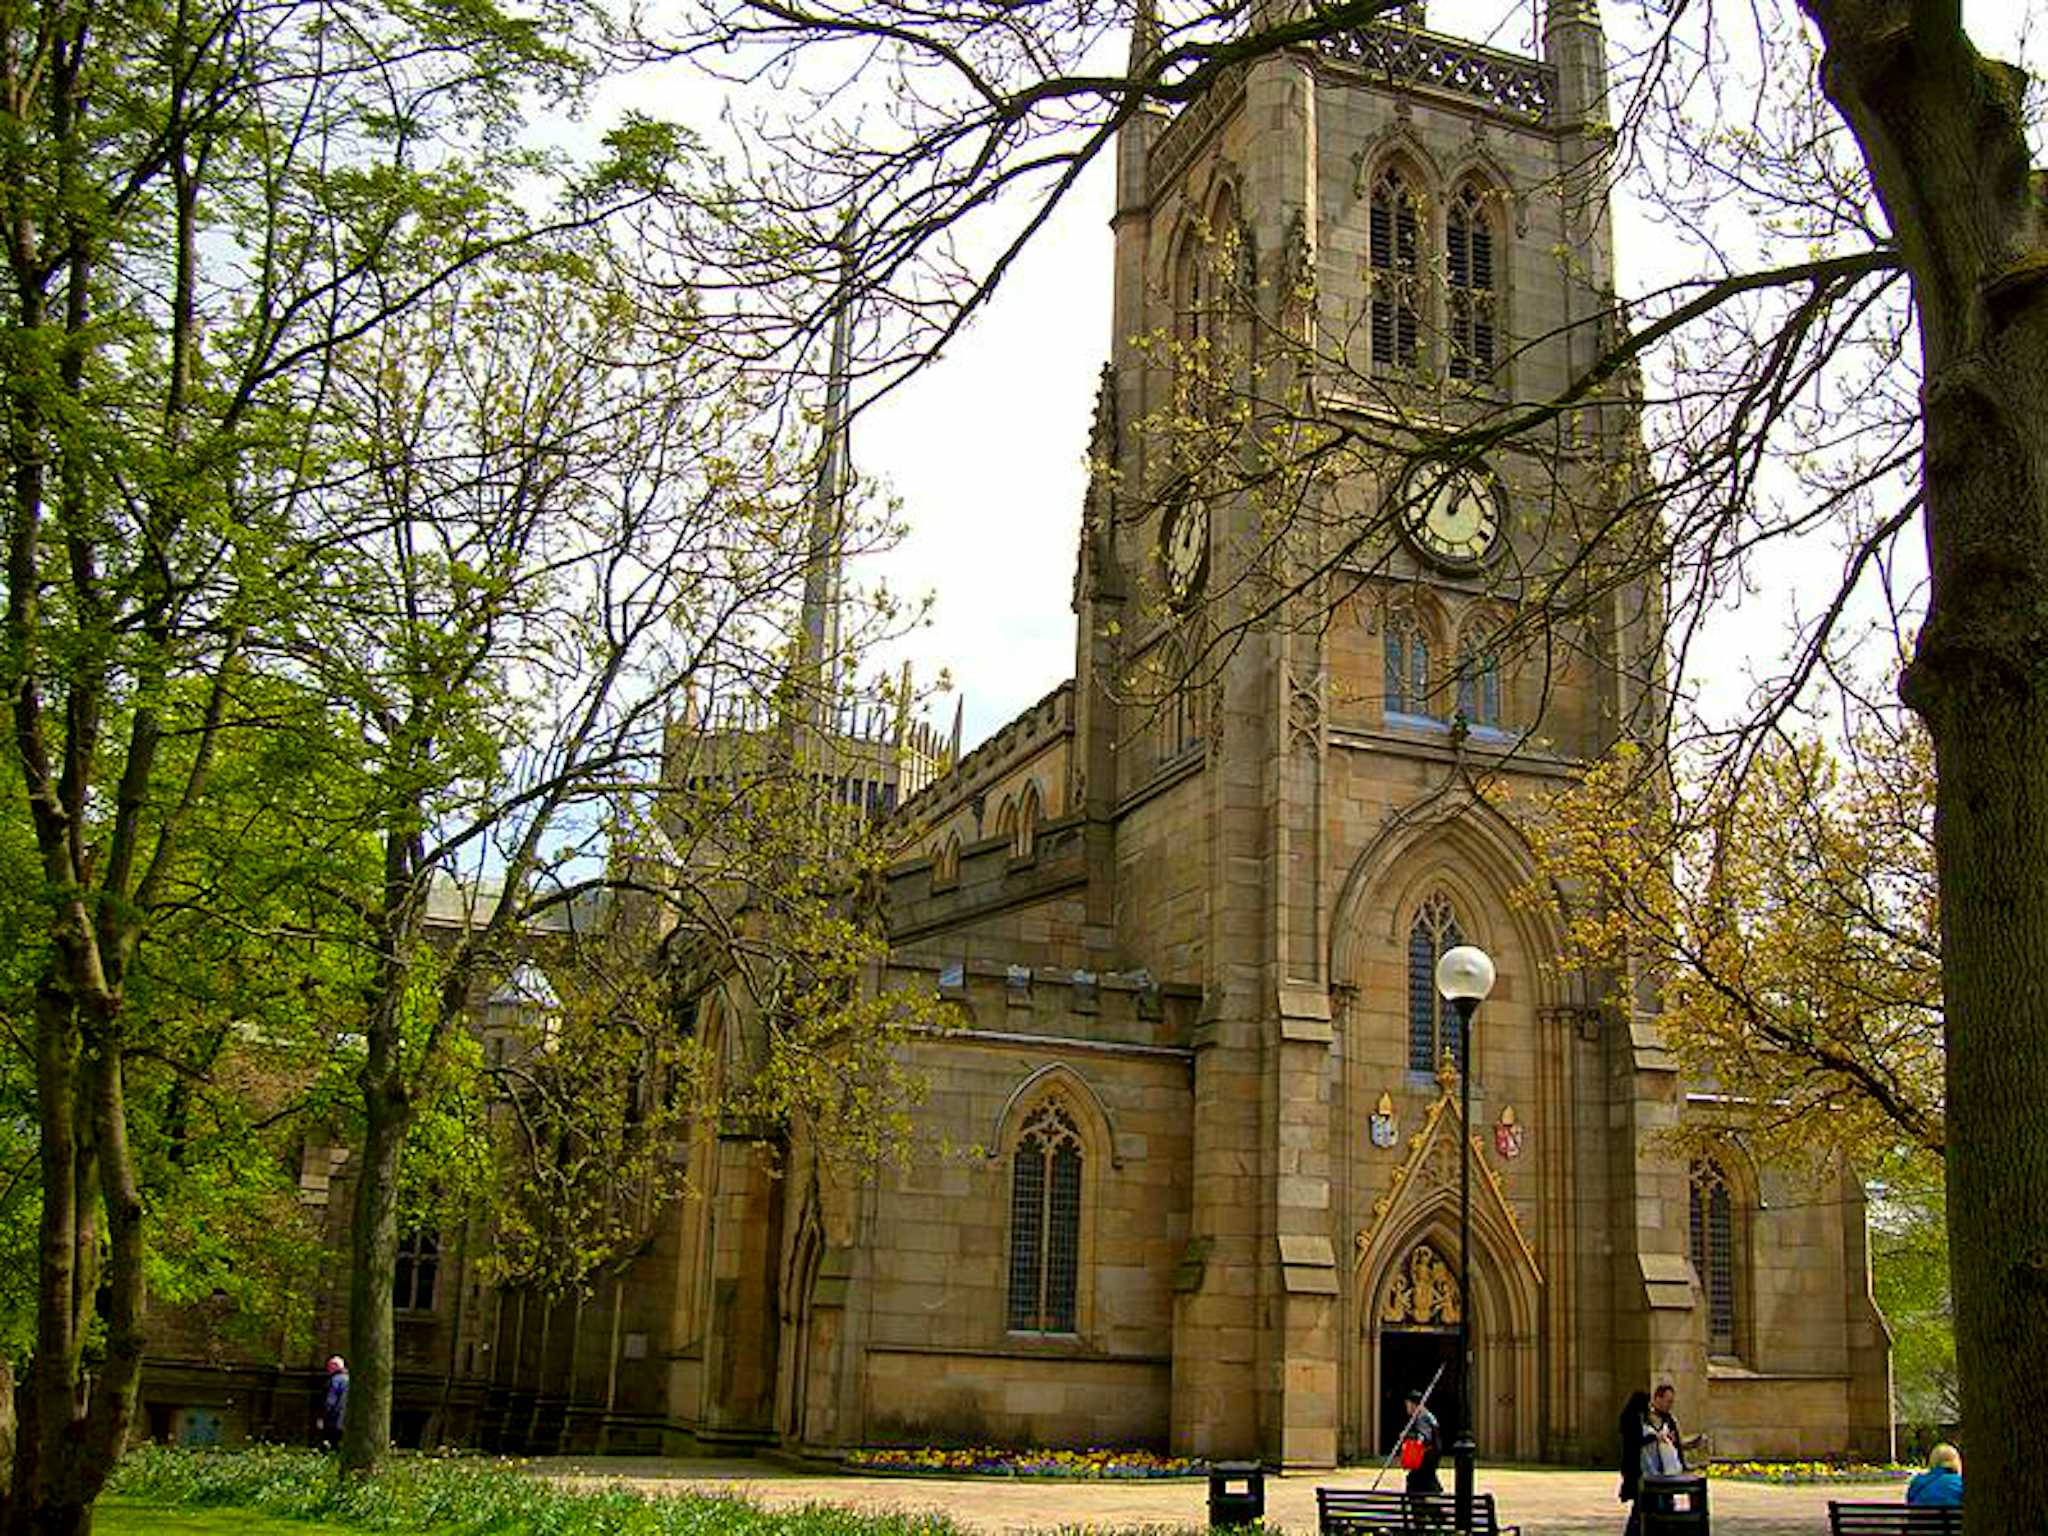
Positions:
{"x": 1202, "y": 1190}
{"x": 1190, "y": 1161}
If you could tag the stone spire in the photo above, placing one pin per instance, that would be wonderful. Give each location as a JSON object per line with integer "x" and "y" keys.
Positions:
{"x": 1134, "y": 141}
{"x": 819, "y": 660}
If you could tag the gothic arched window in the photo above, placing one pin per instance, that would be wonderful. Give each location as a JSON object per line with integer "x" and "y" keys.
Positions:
{"x": 1394, "y": 238}
{"x": 1714, "y": 1251}
{"x": 1479, "y": 681}
{"x": 1473, "y": 296}
{"x": 1187, "y": 288}
{"x": 1432, "y": 1022}
{"x": 1407, "y": 669}
{"x": 1180, "y": 704}
{"x": 1025, "y": 840}
{"x": 1045, "y": 1223}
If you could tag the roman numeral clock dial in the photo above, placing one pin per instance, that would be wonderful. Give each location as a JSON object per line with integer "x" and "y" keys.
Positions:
{"x": 1454, "y": 519}
{"x": 1184, "y": 550}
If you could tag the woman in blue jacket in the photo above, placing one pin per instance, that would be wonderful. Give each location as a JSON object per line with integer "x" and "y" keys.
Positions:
{"x": 1942, "y": 1482}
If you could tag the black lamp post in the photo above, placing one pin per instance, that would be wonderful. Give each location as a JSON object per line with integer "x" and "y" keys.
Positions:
{"x": 1464, "y": 976}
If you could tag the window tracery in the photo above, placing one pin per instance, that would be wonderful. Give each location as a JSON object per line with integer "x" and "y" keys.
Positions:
{"x": 1479, "y": 684}
{"x": 1045, "y": 1223}
{"x": 1407, "y": 664}
{"x": 1433, "y": 1024}
{"x": 1714, "y": 1251}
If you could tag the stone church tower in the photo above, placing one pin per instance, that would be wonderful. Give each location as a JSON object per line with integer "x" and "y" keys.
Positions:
{"x": 1187, "y": 1169}
{"x": 1199, "y": 1167}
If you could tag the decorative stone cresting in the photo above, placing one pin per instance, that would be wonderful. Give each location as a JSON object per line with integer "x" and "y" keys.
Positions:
{"x": 1514, "y": 86}
{"x": 1185, "y": 134}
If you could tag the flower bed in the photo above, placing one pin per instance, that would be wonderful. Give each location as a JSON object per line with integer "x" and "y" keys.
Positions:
{"x": 989, "y": 1461}
{"x": 1808, "y": 1472}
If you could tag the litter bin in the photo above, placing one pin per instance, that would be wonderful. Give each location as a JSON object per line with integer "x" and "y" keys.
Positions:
{"x": 1237, "y": 1493}
{"x": 1674, "y": 1505}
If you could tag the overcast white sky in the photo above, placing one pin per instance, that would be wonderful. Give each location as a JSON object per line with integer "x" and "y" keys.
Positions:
{"x": 986, "y": 449}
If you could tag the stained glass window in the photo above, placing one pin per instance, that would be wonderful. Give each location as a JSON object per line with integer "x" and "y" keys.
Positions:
{"x": 1713, "y": 1252}
{"x": 1045, "y": 1224}
{"x": 1479, "y": 683}
{"x": 1407, "y": 675}
{"x": 1432, "y": 1022}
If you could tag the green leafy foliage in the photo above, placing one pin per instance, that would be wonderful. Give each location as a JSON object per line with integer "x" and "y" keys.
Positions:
{"x": 1909, "y": 1263}
{"x": 1788, "y": 919}
{"x": 469, "y": 1497}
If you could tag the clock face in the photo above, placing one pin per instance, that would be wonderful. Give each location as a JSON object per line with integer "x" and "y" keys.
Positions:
{"x": 1456, "y": 521}
{"x": 1184, "y": 550}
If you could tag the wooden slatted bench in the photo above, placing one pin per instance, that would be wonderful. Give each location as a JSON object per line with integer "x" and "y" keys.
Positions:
{"x": 1390, "y": 1512}
{"x": 1893, "y": 1519}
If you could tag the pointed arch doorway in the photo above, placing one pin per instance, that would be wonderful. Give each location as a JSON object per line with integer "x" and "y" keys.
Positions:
{"x": 1416, "y": 1327}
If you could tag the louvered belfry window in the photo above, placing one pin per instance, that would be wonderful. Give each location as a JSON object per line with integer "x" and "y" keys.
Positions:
{"x": 1469, "y": 261}
{"x": 1395, "y": 241}
{"x": 1045, "y": 1223}
{"x": 1713, "y": 1252}
{"x": 1432, "y": 1022}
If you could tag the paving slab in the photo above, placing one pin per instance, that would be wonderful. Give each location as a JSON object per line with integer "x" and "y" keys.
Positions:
{"x": 1543, "y": 1501}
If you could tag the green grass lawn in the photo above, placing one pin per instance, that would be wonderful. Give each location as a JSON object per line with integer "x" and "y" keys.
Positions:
{"x": 125, "y": 1517}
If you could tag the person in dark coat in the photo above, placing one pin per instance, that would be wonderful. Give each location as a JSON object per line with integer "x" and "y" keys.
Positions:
{"x": 1663, "y": 1423}
{"x": 1651, "y": 1445}
{"x": 334, "y": 1408}
{"x": 1423, "y": 1427}
{"x": 1635, "y": 1432}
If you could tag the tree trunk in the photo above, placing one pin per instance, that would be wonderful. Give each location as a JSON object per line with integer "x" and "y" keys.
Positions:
{"x": 74, "y": 1424}
{"x": 373, "y": 1271}
{"x": 1940, "y": 129}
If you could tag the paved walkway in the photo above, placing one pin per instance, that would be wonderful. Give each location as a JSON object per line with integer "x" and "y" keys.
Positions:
{"x": 1543, "y": 1502}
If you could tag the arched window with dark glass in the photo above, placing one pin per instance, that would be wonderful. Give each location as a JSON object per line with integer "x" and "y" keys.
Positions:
{"x": 1180, "y": 724}
{"x": 1473, "y": 298}
{"x": 1479, "y": 682}
{"x": 1714, "y": 1252}
{"x": 1407, "y": 665}
{"x": 1432, "y": 1023}
{"x": 1045, "y": 1223}
{"x": 1394, "y": 240}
